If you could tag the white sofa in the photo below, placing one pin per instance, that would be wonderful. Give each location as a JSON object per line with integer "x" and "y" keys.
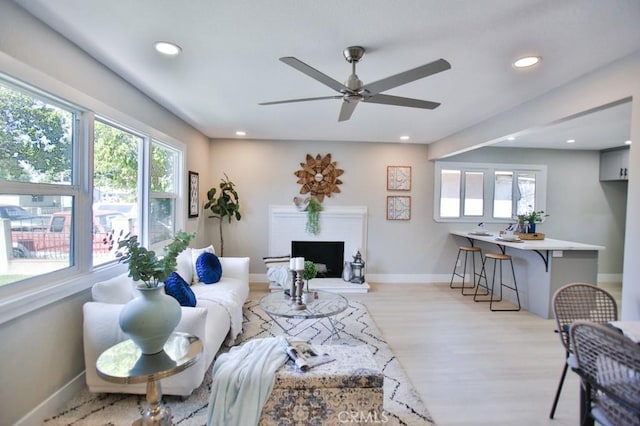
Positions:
{"x": 216, "y": 317}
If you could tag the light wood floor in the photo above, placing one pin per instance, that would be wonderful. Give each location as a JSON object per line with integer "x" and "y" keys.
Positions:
{"x": 472, "y": 366}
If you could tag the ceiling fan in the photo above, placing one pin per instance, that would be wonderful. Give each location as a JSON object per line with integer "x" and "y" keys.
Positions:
{"x": 353, "y": 91}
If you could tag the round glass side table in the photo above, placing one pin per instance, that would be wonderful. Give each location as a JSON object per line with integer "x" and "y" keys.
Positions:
{"x": 125, "y": 363}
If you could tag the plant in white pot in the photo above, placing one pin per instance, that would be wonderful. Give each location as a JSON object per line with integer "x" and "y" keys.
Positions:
{"x": 150, "y": 319}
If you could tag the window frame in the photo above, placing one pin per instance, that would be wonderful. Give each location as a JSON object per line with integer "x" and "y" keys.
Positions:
{"x": 489, "y": 170}
{"x": 22, "y": 297}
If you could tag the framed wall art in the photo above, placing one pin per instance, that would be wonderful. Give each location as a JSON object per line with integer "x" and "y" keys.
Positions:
{"x": 194, "y": 189}
{"x": 398, "y": 207}
{"x": 398, "y": 178}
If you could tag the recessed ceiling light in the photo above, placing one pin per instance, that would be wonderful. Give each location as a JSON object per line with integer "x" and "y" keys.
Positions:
{"x": 404, "y": 138}
{"x": 527, "y": 61}
{"x": 167, "y": 48}
{"x": 627, "y": 142}
{"x": 241, "y": 133}
{"x": 511, "y": 138}
{"x": 571, "y": 141}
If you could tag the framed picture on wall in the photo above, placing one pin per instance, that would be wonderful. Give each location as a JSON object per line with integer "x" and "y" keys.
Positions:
{"x": 398, "y": 207}
{"x": 194, "y": 189}
{"x": 399, "y": 178}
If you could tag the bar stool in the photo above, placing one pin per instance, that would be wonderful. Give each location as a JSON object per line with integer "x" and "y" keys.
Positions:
{"x": 496, "y": 257}
{"x": 466, "y": 250}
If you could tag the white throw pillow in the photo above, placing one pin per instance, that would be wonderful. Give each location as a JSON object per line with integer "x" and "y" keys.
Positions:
{"x": 195, "y": 253}
{"x": 120, "y": 289}
{"x": 185, "y": 266}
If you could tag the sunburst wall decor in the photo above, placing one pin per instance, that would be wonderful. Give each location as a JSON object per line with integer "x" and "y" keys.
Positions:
{"x": 319, "y": 176}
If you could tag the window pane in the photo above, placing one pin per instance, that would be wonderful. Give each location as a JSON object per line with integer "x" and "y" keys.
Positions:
{"x": 115, "y": 184}
{"x": 39, "y": 230}
{"x": 450, "y": 193}
{"x": 164, "y": 163}
{"x": 35, "y": 139}
{"x": 473, "y": 193}
{"x": 526, "y": 189}
{"x": 503, "y": 195}
{"x": 161, "y": 219}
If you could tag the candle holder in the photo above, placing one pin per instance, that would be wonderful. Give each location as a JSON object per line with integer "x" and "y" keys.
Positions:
{"x": 299, "y": 287}
{"x": 292, "y": 289}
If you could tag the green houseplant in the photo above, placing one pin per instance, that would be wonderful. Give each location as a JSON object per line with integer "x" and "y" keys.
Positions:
{"x": 527, "y": 221}
{"x": 310, "y": 272}
{"x": 145, "y": 265}
{"x": 150, "y": 319}
{"x": 313, "y": 216}
{"x": 225, "y": 204}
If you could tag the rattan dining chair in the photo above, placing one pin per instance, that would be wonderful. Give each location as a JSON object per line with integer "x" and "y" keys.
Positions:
{"x": 609, "y": 366}
{"x": 578, "y": 301}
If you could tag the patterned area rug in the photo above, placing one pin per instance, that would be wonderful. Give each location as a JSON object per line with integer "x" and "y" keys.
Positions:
{"x": 402, "y": 404}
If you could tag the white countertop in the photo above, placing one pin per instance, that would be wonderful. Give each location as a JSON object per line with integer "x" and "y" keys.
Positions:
{"x": 546, "y": 244}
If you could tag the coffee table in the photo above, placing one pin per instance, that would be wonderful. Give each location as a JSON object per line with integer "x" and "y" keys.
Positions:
{"x": 319, "y": 305}
{"x": 125, "y": 363}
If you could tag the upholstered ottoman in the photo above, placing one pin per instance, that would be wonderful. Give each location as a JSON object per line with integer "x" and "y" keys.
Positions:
{"x": 347, "y": 390}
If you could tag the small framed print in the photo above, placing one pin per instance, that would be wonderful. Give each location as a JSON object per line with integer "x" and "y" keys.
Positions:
{"x": 398, "y": 207}
{"x": 194, "y": 189}
{"x": 398, "y": 178}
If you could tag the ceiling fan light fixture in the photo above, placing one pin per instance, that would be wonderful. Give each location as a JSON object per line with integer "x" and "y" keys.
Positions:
{"x": 527, "y": 62}
{"x": 167, "y": 48}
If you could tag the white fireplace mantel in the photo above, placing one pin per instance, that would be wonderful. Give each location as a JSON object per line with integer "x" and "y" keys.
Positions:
{"x": 337, "y": 223}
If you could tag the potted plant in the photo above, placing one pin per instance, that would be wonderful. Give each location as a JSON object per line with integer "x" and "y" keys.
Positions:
{"x": 313, "y": 216}
{"x": 226, "y": 204}
{"x": 150, "y": 319}
{"x": 527, "y": 221}
{"x": 310, "y": 272}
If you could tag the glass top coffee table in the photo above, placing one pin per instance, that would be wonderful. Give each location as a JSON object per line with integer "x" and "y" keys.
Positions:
{"x": 319, "y": 305}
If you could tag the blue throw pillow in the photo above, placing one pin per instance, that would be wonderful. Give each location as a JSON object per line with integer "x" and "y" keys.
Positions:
{"x": 176, "y": 287}
{"x": 208, "y": 268}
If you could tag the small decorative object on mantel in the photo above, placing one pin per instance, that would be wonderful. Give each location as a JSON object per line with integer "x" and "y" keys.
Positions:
{"x": 227, "y": 204}
{"x": 319, "y": 176}
{"x": 149, "y": 320}
{"x": 357, "y": 269}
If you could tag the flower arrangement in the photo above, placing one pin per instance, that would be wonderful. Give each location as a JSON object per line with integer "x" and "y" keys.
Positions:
{"x": 532, "y": 217}
{"x": 145, "y": 265}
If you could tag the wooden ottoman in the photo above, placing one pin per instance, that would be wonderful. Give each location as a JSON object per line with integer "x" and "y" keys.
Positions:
{"x": 347, "y": 390}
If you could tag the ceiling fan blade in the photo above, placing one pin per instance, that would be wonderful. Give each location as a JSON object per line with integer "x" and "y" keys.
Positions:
{"x": 301, "y": 100}
{"x": 314, "y": 73}
{"x": 346, "y": 110}
{"x": 399, "y": 101}
{"x": 407, "y": 76}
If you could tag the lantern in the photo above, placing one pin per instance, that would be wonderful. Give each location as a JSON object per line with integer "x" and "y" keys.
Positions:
{"x": 357, "y": 269}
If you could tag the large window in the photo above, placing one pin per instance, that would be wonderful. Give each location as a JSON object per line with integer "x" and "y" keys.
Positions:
{"x": 58, "y": 209}
{"x": 472, "y": 192}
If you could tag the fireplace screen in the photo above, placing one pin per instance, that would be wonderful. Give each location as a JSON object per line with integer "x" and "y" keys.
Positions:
{"x": 327, "y": 255}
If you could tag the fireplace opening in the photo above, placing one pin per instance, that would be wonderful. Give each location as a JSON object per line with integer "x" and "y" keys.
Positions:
{"x": 328, "y": 253}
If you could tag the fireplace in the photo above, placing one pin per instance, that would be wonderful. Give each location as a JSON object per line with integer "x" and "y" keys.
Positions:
{"x": 328, "y": 253}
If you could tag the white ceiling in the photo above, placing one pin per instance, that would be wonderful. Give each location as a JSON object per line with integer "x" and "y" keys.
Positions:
{"x": 230, "y": 49}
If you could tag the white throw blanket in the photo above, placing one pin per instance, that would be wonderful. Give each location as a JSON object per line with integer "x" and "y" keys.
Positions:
{"x": 242, "y": 381}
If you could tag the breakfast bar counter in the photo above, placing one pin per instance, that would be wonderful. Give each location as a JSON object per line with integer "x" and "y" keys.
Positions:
{"x": 541, "y": 266}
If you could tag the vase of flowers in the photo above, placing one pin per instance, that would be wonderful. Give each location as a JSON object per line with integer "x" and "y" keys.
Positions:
{"x": 527, "y": 221}
{"x": 150, "y": 319}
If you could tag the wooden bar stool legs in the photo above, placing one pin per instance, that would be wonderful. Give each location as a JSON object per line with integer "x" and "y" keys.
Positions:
{"x": 463, "y": 285}
{"x": 497, "y": 264}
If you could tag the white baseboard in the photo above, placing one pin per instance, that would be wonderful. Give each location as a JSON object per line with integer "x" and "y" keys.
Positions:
{"x": 609, "y": 278}
{"x": 381, "y": 278}
{"x": 51, "y": 406}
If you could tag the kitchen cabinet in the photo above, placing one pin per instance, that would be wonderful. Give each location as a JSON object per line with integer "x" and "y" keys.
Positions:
{"x": 614, "y": 164}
